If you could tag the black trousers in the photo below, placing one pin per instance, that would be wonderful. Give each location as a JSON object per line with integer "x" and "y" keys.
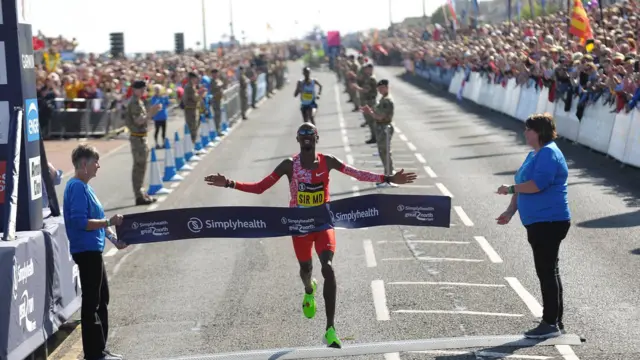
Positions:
{"x": 160, "y": 125}
{"x": 94, "y": 316}
{"x": 545, "y": 239}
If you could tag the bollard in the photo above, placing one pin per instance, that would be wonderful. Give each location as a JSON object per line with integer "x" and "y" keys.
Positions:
{"x": 170, "y": 172}
{"x": 155, "y": 182}
{"x": 181, "y": 164}
{"x": 188, "y": 146}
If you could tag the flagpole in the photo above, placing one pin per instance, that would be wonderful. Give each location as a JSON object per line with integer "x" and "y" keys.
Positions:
{"x": 204, "y": 28}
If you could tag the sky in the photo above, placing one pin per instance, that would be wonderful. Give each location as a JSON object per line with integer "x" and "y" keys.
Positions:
{"x": 150, "y": 25}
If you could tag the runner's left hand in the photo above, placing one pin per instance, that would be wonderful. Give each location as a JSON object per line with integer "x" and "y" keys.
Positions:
{"x": 403, "y": 178}
{"x": 216, "y": 180}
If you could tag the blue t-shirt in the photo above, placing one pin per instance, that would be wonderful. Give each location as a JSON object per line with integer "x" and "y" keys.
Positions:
{"x": 548, "y": 170}
{"x": 80, "y": 205}
{"x": 163, "y": 114}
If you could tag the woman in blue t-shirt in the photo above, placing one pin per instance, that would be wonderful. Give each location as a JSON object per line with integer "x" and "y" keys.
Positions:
{"x": 160, "y": 119}
{"x": 540, "y": 196}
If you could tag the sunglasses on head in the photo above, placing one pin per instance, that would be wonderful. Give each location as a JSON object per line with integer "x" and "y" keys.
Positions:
{"x": 306, "y": 132}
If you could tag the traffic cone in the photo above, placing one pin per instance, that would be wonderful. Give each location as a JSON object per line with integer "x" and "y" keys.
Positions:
{"x": 181, "y": 164}
{"x": 188, "y": 146}
{"x": 224, "y": 126}
{"x": 204, "y": 133}
{"x": 213, "y": 134}
{"x": 170, "y": 172}
{"x": 155, "y": 182}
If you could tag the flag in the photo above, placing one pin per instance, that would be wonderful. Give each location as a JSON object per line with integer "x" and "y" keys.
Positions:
{"x": 38, "y": 44}
{"x": 452, "y": 10}
{"x": 580, "y": 25}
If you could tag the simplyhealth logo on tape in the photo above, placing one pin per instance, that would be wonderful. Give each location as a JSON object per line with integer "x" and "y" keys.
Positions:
{"x": 355, "y": 215}
{"x": 196, "y": 225}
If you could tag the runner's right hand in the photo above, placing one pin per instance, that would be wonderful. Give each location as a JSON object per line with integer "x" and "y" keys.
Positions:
{"x": 216, "y": 180}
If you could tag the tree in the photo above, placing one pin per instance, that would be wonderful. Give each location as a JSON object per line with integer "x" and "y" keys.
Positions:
{"x": 438, "y": 17}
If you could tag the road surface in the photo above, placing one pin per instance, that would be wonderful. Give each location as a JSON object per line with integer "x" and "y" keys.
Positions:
{"x": 208, "y": 296}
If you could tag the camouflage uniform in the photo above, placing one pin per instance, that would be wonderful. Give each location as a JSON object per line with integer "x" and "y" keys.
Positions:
{"x": 244, "y": 100}
{"x": 191, "y": 101}
{"x": 369, "y": 96}
{"x": 139, "y": 147}
{"x": 384, "y": 130}
{"x": 216, "y": 101}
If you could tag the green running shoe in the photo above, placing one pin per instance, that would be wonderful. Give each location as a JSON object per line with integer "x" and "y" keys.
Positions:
{"x": 331, "y": 339}
{"x": 309, "y": 301}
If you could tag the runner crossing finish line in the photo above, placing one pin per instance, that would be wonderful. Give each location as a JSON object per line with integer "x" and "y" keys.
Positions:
{"x": 310, "y": 218}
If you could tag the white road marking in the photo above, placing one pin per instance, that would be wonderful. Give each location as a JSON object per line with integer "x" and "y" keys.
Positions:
{"x": 444, "y": 190}
{"x": 491, "y": 253}
{"x": 349, "y": 159}
{"x": 369, "y": 254}
{"x": 345, "y": 139}
{"x": 152, "y": 207}
{"x": 443, "y": 283}
{"x": 392, "y": 356}
{"x": 430, "y": 172}
{"x": 567, "y": 352}
{"x": 402, "y": 346}
{"x": 424, "y": 242}
{"x": 355, "y": 190}
{"x": 175, "y": 185}
{"x": 531, "y": 302}
{"x": 482, "y": 354}
{"x": 344, "y": 131}
{"x": 411, "y": 146}
{"x": 433, "y": 259}
{"x": 463, "y": 216}
{"x": 397, "y": 129}
{"x": 420, "y": 158}
{"x": 403, "y": 137}
{"x": 380, "y": 300}
{"x": 116, "y": 268}
{"x": 162, "y": 198}
{"x": 536, "y": 310}
{"x": 456, "y": 312}
{"x": 347, "y": 149}
{"x": 111, "y": 252}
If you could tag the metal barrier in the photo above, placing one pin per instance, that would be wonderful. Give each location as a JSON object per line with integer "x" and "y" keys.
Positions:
{"x": 78, "y": 118}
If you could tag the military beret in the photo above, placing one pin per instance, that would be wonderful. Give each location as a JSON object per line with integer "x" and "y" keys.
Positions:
{"x": 139, "y": 84}
{"x": 383, "y": 82}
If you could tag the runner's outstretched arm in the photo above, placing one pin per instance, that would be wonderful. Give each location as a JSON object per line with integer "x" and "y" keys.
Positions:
{"x": 358, "y": 174}
{"x": 319, "y": 86}
{"x": 297, "y": 92}
{"x": 266, "y": 183}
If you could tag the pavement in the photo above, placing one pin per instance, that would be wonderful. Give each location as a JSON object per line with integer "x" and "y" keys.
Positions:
{"x": 208, "y": 296}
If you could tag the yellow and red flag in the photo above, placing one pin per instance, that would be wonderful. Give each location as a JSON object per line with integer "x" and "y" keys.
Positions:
{"x": 580, "y": 25}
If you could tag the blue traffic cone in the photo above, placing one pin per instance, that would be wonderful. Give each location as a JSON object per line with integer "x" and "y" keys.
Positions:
{"x": 213, "y": 134}
{"x": 224, "y": 126}
{"x": 181, "y": 163}
{"x": 170, "y": 172}
{"x": 155, "y": 182}
{"x": 204, "y": 133}
{"x": 188, "y": 145}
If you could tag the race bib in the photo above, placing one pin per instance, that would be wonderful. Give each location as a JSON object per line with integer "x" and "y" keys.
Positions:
{"x": 310, "y": 195}
{"x": 307, "y": 96}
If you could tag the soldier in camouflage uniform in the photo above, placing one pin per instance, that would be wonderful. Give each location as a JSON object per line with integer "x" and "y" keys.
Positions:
{"x": 191, "y": 100}
{"x": 216, "y": 98}
{"x": 251, "y": 74}
{"x": 382, "y": 113}
{"x": 368, "y": 94}
{"x": 244, "y": 100}
{"x": 137, "y": 120}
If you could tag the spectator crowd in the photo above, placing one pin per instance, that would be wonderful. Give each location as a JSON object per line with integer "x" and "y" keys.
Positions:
{"x": 540, "y": 52}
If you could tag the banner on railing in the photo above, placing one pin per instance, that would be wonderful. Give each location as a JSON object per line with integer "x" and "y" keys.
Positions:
{"x": 263, "y": 222}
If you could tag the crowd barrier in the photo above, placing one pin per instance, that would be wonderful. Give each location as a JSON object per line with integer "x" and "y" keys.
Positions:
{"x": 81, "y": 118}
{"x": 600, "y": 128}
{"x": 84, "y": 118}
